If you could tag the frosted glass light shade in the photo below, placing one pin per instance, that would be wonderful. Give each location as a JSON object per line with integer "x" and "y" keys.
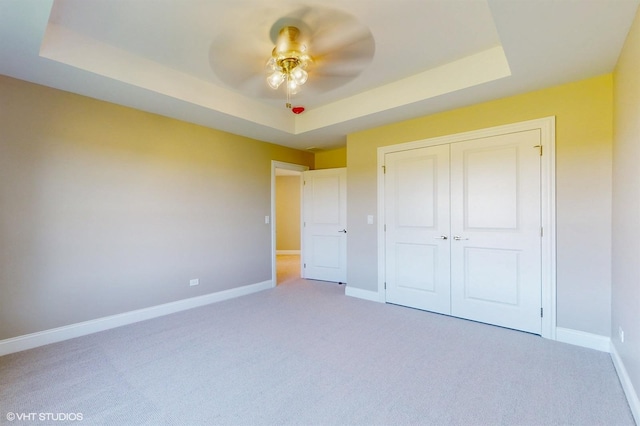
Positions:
{"x": 272, "y": 65}
{"x": 275, "y": 79}
{"x": 299, "y": 75}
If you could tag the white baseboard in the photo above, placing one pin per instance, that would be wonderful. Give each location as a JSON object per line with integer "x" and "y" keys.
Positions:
{"x": 287, "y": 251}
{"x": 627, "y": 386}
{"x": 581, "y": 338}
{"x": 41, "y": 338}
{"x": 362, "y": 294}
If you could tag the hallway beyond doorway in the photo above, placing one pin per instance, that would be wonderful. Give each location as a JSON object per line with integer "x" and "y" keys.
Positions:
{"x": 288, "y": 267}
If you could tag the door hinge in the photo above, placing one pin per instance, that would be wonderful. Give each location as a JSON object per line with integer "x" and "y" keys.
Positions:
{"x": 384, "y": 170}
{"x": 541, "y": 231}
{"x": 541, "y": 312}
{"x": 304, "y": 265}
{"x": 385, "y": 227}
{"x": 385, "y": 285}
{"x": 540, "y": 148}
{"x": 304, "y": 183}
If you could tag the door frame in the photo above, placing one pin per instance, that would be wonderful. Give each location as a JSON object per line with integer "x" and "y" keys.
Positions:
{"x": 287, "y": 166}
{"x": 546, "y": 127}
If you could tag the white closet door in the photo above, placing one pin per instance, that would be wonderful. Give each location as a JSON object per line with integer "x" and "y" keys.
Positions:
{"x": 324, "y": 225}
{"x": 496, "y": 230}
{"x": 417, "y": 228}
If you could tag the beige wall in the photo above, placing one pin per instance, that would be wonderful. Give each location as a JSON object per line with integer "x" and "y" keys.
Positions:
{"x": 288, "y": 212}
{"x": 583, "y": 113}
{"x": 105, "y": 209}
{"x": 626, "y": 208}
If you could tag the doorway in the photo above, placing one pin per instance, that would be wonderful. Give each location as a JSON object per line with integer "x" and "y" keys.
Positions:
{"x": 286, "y": 208}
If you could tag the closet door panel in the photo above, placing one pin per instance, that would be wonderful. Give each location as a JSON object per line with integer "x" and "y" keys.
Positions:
{"x": 495, "y": 225}
{"x": 417, "y": 228}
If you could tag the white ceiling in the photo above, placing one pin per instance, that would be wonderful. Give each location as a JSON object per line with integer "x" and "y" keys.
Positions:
{"x": 430, "y": 56}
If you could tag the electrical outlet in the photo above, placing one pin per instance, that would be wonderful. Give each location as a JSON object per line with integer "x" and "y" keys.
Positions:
{"x": 621, "y": 334}
{"x": 194, "y": 281}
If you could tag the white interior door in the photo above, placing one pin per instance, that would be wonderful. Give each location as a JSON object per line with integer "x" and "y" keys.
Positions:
{"x": 496, "y": 230}
{"x": 417, "y": 218}
{"x": 325, "y": 225}
{"x": 484, "y": 196}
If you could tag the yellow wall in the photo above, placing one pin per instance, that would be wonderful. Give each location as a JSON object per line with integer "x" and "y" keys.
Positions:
{"x": 331, "y": 159}
{"x": 106, "y": 209}
{"x": 583, "y": 112}
{"x": 288, "y": 212}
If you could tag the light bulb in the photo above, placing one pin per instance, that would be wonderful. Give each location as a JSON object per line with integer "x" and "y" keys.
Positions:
{"x": 292, "y": 87}
{"x": 299, "y": 75}
{"x": 275, "y": 79}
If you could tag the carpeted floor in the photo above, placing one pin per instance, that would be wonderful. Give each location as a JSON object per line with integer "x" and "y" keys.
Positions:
{"x": 303, "y": 353}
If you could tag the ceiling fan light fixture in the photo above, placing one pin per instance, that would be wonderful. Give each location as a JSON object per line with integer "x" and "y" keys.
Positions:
{"x": 288, "y": 62}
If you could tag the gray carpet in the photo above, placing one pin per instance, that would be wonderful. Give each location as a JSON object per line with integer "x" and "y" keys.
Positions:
{"x": 303, "y": 353}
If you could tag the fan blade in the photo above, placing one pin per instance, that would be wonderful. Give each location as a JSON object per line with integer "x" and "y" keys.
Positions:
{"x": 342, "y": 48}
{"x": 344, "y": 61}
{"x": 238, "y": 61}
{"x": 325, "y": 83}
{"x": 338, "y": 67}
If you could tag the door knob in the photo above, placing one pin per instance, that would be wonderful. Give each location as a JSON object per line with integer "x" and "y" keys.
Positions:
{"x": 441, "y": 237}
{"x": 457, "y": 238}
{"x": 344, "y": 231}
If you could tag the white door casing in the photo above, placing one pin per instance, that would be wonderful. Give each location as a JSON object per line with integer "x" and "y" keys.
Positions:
{"x": 324, "y": 233}
{"x": 467, "y": 295}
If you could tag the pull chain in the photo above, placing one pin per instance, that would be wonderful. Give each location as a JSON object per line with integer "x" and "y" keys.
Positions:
{"x": 288, "y": 104}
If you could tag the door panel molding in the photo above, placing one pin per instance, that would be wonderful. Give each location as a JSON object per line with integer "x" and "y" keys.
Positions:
{"x": 546, "y": 128}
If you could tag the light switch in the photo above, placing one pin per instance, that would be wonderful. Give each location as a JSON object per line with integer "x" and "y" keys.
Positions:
{"x": 370, "y": 219}
{"x": 266, "y": 219}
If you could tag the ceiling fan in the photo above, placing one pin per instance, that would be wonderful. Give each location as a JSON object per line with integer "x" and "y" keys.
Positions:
{"x": 318, "y": 47}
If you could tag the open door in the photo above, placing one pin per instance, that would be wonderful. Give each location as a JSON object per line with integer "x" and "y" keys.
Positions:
{"x": 324, "y": 233}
